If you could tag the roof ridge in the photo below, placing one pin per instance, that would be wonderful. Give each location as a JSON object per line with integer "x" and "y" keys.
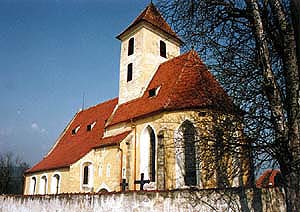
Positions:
{"x": 101, "y": 103}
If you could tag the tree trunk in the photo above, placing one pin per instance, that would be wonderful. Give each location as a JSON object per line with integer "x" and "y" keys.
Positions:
{"x": 295, "y": 11}
{"x": 271, "y": 87}
{"x": 285, "y": 140}
{"x": 288, "y": 166}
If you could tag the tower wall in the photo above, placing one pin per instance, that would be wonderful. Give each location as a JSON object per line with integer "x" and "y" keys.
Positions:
{"x": 145, "y": 60}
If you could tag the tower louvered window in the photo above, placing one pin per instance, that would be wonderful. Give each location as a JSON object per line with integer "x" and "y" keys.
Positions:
{"x": 129, "y": 72}
{"x": 163, "y": 49}
{"x": 131, "y": 46}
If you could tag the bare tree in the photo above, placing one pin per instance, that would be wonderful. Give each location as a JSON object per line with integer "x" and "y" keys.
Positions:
{"x": 251, "y": 47}
{"x": 11, "y": 174}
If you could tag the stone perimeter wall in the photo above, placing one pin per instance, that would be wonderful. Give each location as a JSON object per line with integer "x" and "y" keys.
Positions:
{"x": 177, "y": 200}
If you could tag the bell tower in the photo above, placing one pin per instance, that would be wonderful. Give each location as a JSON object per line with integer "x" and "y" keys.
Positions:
{"x": 145, "y": 44}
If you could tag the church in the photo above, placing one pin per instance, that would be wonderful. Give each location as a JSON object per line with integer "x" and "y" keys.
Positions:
{"x": 169, "y": 128}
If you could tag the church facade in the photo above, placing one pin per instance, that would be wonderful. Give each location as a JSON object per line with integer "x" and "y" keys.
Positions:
{"x": 168, "y": 129}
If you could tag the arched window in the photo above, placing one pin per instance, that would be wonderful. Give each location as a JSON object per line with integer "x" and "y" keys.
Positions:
{"x": 32, "y": 185}
{"x": 131, "y": 46}
{"x": 129, "y": 72}
{"x": 87, "y": 175}
{"x": 163, "y": 49}
{"x": 188, "y": 134}
{"x": 43, "y": 185}
{"x": 55, "y": 184}
{"x": 148, "y": 154}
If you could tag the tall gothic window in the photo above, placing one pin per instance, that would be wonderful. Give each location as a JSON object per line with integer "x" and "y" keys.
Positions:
{"x": 131, "y": 46}
{"x": 188, "y": 133}
{"x": 129, "y": 72}
{"x": 163, "y": 49}
{"x": 152, "y": 155}
{"x": 148, "y": 154}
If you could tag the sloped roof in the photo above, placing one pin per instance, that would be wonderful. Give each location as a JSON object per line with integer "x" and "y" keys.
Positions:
{"x": 270, "y": 178}
{"x": 184, "y": 82}
{"x": 152, "y": 16}
{"x": 70, "y": 148}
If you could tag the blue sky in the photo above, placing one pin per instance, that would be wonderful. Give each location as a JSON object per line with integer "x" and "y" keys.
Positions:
{"x": 51, "y": 52}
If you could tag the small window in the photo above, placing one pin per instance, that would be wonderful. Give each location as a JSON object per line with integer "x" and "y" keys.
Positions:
{"x": 74, "y": 131}
{"x": 90, "y": 126}
{"x": 129, "y": 72}
{"x": 163, "y": 50}
{"x": 131, "y": 46}
{"x": 152, "y": 92}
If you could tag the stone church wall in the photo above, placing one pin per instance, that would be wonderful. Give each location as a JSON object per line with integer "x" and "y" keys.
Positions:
{"x": 177, "y": 200}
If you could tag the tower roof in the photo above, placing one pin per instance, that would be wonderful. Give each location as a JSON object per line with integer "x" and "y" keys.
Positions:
{"x": 152, "y": 16}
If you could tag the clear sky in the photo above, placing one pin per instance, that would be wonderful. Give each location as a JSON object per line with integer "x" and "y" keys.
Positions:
{"x": 51, "y": 52}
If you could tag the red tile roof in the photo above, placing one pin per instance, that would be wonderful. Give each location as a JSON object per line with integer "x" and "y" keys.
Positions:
{"x": 152, "y": 16}
{"x": 112, "y": 140}
{"x": 270, "y": 178}
{"x": 70, "y": 148}
{"x": 185, "y": 82}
